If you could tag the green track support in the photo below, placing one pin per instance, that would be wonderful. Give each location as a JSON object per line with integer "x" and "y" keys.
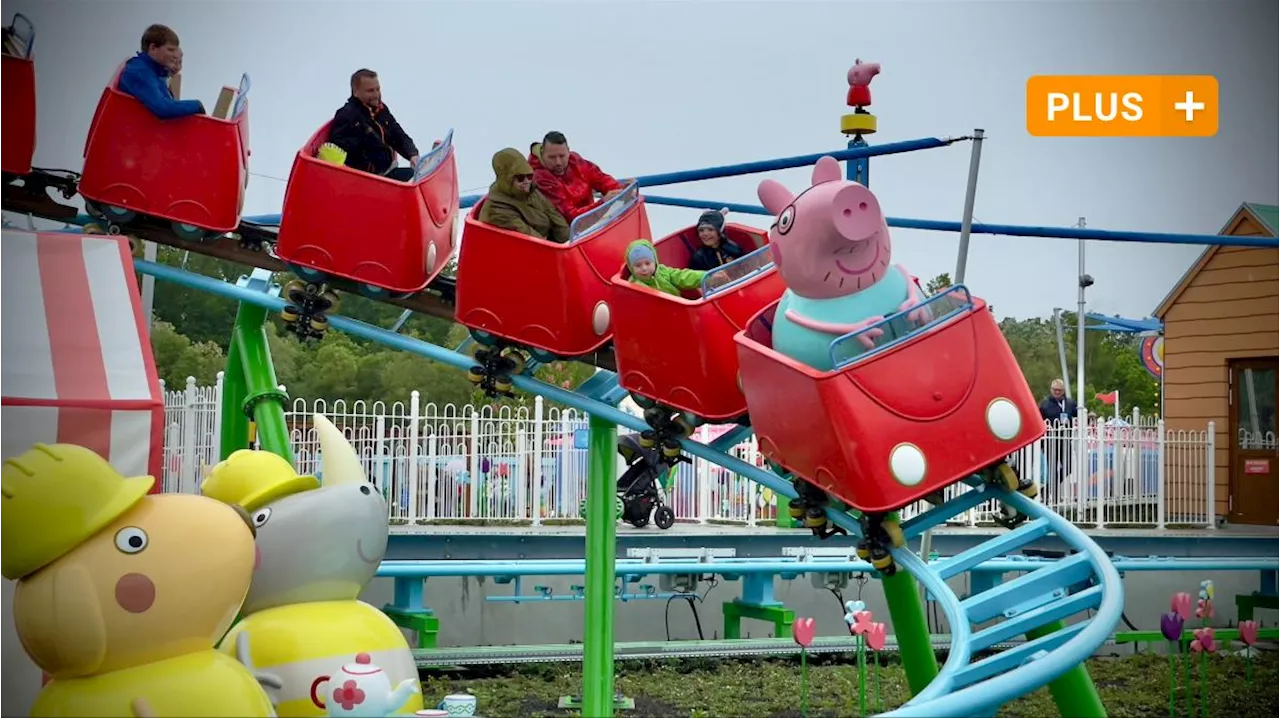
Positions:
{"x": 250, "y": 390}
{"x": 1073, "y": 691}
{"x": 425, "y": 625}
{"x": 598, "y": 700}
{"x": 780, "y": 616}
{"x": 915, "y": 646}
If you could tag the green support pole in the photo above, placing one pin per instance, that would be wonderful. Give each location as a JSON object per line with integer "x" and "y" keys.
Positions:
{"x": 915, "y": 646}
{"x": 234, "y": 423}
{"x": 602, "y": 525}
{"x": 250, "y": 388}
{"x": 1073, "y": 691}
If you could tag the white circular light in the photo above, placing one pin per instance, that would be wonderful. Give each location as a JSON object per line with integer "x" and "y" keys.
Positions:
{"x": 1004, "y": 419}
{"x": 906, "y": 463}
{"x": 431, "y": 256}
{"x": 600, "y": 319}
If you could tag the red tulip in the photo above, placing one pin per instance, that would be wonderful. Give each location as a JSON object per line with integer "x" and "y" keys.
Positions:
{"x": 875, "y": 636}
{"x": 1249, "y": 632}
{"x": 1181, "y": 605}
{"x": 803, "y": 631}
{"x": 1204, "y": 641}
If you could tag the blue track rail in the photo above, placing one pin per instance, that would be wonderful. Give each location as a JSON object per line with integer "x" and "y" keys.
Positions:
{"x": 1082, "y": 581}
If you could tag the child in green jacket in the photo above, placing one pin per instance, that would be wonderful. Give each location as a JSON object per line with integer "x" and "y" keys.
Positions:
{"x": 642, "y": 261}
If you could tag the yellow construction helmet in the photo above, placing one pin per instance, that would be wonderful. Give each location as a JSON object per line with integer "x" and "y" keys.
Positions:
{"x": 54, "y": 498}
{"x": 252, "y": 479}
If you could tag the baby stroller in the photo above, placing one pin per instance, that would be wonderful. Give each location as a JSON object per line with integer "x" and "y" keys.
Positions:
{"x": 640, "y": 487}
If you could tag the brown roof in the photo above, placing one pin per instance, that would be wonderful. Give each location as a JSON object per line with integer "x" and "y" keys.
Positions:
{"x": 1261, "y": 214}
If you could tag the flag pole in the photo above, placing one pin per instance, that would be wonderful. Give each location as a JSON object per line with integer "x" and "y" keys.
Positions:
{"x": 1117, "y": 405}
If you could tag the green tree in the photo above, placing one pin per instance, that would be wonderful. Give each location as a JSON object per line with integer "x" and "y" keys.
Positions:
{"x": 177, "y": 357}
{"x": 938, "y": 283}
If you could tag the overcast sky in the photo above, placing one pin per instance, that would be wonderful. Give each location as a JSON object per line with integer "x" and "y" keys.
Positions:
{"x": 644, "y": 87}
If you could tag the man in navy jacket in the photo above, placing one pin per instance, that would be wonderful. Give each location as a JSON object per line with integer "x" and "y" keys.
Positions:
{"x": 369, "y": 133}
{"x": 145, "y": 75}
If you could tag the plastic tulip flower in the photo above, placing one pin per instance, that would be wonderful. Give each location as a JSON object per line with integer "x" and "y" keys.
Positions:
{"x": 1248, "y": 632}
{"x": 1171, "y": 625}
{"x": 1204, "y": 641}
{"x": 1204, "y": 609}
{"x": 876, "y": 636}
{"x": 803, "y": 631}
{"x": 1181, "y": 604}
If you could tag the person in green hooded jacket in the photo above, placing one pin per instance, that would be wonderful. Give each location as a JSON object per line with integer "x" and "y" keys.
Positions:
{"x": 642, "y": 262}
{"x": 514, "y": 202}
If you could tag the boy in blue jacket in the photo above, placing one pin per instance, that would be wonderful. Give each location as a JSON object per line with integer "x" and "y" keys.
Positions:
{"x": 145, "y": 75}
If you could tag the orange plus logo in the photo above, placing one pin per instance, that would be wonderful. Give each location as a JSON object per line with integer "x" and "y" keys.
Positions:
{"x": 1122, "y": 106}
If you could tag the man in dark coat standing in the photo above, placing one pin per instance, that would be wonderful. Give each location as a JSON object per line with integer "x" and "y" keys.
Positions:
{"x": 1060, "y": 411}
{"x": 367, "y": 131}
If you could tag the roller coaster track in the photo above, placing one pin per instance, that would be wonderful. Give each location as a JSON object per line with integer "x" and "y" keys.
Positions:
{"x": 1035, "y": 603}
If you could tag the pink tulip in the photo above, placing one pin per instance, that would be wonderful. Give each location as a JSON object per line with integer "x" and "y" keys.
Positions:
{"x": 1204, "y": 641}
{"x": 1181, "y": 605}
{"x": 861, "y": 622}
{"x": 1204, "y": 608}
{"x": 1249, "y": 632}
{"x": 803, "y": 631}
{"x": 875, "y": 636}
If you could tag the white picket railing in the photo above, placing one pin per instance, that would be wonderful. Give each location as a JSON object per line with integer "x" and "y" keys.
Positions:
{"x": 532, "y": 464}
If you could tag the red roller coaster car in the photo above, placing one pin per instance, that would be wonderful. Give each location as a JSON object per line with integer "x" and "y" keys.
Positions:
{"x": 190, "y": 171}
{"x": 389, "y": 238}
{"x": 926, "y": 407}
{"x": 679, "y": 351}
{"x": 19, "y": 93}
{"x": 552, "y": 299}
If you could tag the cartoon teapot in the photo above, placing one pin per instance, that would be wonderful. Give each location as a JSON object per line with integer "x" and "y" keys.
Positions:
{"x": 361, "y": 690}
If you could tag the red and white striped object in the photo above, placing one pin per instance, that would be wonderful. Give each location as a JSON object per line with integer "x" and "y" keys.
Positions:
{"x": 75, "y": 360}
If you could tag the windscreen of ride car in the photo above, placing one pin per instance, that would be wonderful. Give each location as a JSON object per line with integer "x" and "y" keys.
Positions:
{"x": 604, "y": 214}
{"x": 736, "y": 272}
{"x": 930, "y": 314}
{"x": 433, "y": 159}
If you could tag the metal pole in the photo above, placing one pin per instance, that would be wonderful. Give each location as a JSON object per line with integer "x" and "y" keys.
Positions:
{"x": 1062, "y": 350}
{"x": 148, "y": 285}
{"x": 1082, "y": 283}
{"x": 966, "y": 222}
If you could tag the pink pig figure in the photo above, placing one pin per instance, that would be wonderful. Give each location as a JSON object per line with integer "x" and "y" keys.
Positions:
{"x": 831, "y": 247}
{"x": 859, "y": 77}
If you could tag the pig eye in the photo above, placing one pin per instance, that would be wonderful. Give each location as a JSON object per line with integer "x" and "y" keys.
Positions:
{"x": 786, "y": 219}
{"x": 260, "y": 517}
{"x": 131, "y": 539}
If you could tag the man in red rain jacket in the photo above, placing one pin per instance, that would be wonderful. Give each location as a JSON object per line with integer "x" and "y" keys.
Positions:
{"x": 566, "y": 178}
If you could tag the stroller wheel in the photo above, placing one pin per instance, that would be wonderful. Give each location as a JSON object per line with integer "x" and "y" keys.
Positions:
{"x": 648, "y": 438}
{"x": 664, "y": 517}
{"x": 670, "y": 448}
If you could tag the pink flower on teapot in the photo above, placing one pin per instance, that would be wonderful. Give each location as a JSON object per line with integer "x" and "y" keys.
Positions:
{"x": 361, "y": 690}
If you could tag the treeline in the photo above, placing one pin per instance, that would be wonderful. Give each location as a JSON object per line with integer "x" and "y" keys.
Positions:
{"x": 192, "y": 329}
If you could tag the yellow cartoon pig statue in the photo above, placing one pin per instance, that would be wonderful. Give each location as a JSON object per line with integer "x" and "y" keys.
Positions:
{"x": 121, "y": 595}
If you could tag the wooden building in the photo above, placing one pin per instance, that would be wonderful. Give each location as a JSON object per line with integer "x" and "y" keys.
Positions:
{"x": 1221, "y": 337}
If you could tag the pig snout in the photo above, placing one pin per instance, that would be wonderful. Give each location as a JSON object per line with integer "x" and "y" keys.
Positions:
{"x": 855, "y": 213}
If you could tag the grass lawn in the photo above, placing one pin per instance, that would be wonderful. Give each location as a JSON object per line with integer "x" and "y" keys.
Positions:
{"x": 770, "y": 688}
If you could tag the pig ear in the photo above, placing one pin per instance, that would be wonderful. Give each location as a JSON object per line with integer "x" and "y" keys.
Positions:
{"x": 774, "y": 196}
{"x": 826, "y": 170}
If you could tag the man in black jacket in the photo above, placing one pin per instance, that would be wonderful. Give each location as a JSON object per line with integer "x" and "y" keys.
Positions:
{"x": 367, "y": 131}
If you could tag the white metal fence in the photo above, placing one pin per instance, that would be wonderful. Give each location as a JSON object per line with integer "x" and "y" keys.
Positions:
{"x": 449, "y": 463}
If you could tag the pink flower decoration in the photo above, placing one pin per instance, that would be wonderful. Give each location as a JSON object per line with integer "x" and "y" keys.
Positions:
{"x": 1204, "y": 641}
{"x": 1204, "y": 608}
{"x": 803, "y": 631}
{"x": 861, "y": 622}
{"x": 875, "y": 636}
{"x": 1248, "y": 632}
{"x": 1181, "y": 605}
